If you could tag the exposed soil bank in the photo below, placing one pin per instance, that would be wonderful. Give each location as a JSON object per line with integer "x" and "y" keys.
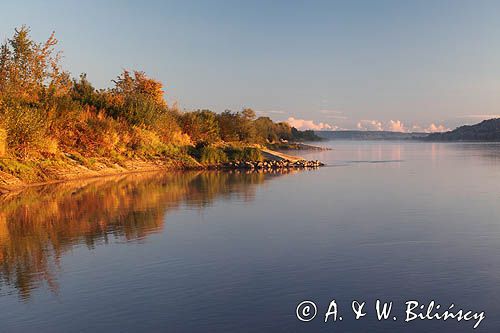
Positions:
{"x": 25, "y": 174}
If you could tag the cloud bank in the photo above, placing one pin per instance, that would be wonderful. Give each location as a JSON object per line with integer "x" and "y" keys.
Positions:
{"x": 398, "y": 126}
{"x": 363, "y": 124}
{"x": 304, "y": 124}
{"x": 370, "y": 125}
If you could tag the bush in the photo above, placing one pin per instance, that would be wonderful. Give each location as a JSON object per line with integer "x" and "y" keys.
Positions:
{"x": 201, "y": 126}
{"x": 26, "y": 128}
{"x": 167, "y": 127}
{"x": 212, "y": 155}
{"x": 3, "y": 142}
{"x": 244, "y": 154}
{"x": 147, "y": 143}
{"x": 137, "y": 110}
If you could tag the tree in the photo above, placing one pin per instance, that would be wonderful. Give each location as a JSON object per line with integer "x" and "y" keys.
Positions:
{"x": 83, "y": 92}
{"x": 247, "y": 131}
{"x": 137, "y": 98}
{"x": 139, "y": 84}
{"x": 265, "y": 130}
{"x": 283, "y": 131}
{"x": 29, "y": 71}
{"x": 248, "y": 114}
{"x": 228, "y": 126}
{"x": 201, "y": 126}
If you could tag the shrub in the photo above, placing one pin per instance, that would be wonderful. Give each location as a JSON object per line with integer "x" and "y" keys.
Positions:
{"x": 167, "y": 126}
{"x": 147, "y": 143}
{"x": 139, "y": 110}
{"x": 3, "y": 141}
{"x": 252, "y": 154}
{"x": 201, "y": 126}
{"x": 212, "y": 155}
{"x": 244, "y": 154}
{"x": 26, "y": 128}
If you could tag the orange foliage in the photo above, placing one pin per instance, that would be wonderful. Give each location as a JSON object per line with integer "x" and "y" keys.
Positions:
{"x": 139, "y": 83}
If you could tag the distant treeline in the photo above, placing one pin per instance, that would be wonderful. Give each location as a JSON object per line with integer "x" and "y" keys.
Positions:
{"x": 370, "y": 135}
{"x": 487, "y": 130}
{"x": 44, "y": 112}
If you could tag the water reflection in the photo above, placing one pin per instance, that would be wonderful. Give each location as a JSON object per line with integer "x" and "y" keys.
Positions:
{"x": 40, "y": 224}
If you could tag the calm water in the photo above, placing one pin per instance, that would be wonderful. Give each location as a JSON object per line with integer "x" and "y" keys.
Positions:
{"x": 220, "y": 252}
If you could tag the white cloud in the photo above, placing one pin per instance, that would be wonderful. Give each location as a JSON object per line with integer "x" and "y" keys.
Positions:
{"x": 370, "y": 125}
{"x": 303, "y": 124}
{"x": 436, "y": 128}
{"x": 396, "y": 126}
{"x": 432, "y": 128}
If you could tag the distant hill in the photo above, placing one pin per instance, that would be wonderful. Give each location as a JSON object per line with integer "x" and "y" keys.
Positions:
{"x": 369, "y": 135}
{"x": 488, "y": 130}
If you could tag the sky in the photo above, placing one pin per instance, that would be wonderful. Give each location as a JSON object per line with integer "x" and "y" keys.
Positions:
{"x": 371, "y": 65}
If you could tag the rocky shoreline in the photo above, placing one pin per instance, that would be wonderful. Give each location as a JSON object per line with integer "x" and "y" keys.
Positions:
{"x": 269, "y": 165}
{"x": 69, "y": 169}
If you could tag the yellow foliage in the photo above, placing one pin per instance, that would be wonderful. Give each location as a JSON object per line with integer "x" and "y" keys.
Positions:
{"x": 181, "y": 139}
{"x": 3, "y": 142}
{"x": 30, "y": 70}
{"x": 139, "y": 83}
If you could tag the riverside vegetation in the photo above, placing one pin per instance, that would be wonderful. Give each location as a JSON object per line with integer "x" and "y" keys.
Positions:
{"x": 56, "y": 127}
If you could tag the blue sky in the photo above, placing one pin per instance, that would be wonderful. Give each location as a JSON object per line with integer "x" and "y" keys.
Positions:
{"x": 345, "y": 64}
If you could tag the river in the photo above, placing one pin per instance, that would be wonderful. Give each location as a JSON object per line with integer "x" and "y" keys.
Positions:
{"x": 237, "y": 252}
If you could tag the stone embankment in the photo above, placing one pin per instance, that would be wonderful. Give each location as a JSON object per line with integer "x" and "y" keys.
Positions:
{"x": 271, "y": 164}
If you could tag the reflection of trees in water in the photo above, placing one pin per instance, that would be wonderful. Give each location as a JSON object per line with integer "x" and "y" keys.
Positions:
{"x": 39, "y": 225}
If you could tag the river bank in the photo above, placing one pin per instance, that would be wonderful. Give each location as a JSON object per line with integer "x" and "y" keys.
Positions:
{"x": 16, "y": 174}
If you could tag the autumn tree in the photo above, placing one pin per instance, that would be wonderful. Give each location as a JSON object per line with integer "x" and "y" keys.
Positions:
{"x": 127, "y": 84}
{"x": 201, "y": 126}
{"x": 30, "y": 72}
{"x": 31, "y": 85}
{"x": 265, "y": 130}
{"x": 137, "y": 98}
{"x": 246, "y": 126}
{"x": 228, "y": 126}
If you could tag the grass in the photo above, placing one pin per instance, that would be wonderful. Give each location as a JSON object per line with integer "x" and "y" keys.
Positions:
{"x": 244, "y": 154}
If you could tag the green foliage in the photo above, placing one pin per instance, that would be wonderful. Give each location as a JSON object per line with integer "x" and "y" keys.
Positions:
{"x": 83, "y": 92}
{"x": 212, "y": 155}
{"x": 228, "y": 126}
{"x": 244, "y": 154}
{"x": 44, "y": 113}
{"x": 138, "y": 110}
{"x": 237, "y": 126}
{"x": 147, "y": 143}
{"x": 307, "y": 135}
{"x": 265, "y": 131}
{"x": 201, "y": 126}
{"x": 18, "y": 169}
{"x": 26, "y": 127}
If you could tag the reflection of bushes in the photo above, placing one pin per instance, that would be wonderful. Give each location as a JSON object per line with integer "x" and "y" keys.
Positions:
{"x": 38, "y": 226}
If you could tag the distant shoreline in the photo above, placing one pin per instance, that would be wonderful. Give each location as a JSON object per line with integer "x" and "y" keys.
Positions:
{"x": 485, "y": 131}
